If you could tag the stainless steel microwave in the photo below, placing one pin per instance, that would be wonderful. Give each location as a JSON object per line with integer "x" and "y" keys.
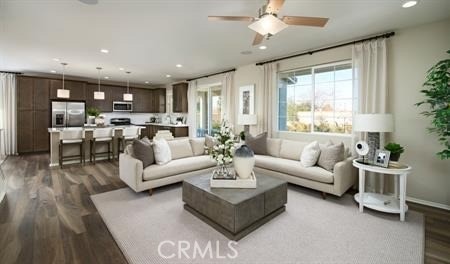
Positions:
{"x": 122, "y": 106}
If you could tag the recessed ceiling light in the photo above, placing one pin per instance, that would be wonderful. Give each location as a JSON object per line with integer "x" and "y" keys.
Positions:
{"x": 168, "y": 75}
{"x": 53, "y": 71}
{"x": 121, "y": 69}
{"x": 262, "y": 47}
{"x": 104, "y": 51}
{"x": 178, "y": 65}
{"x": 55, "y": 59}
{"x": 147, "y": 82}
{"x": 409, "y": 3}
{"x": 106, "y": 77}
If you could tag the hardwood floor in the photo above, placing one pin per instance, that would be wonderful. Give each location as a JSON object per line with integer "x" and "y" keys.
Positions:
{"x": 48, "y": 216}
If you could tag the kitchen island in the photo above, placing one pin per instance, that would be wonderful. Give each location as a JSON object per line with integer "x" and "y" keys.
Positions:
{"x": 88, "y": 134}
{"x": 177, "y": 130}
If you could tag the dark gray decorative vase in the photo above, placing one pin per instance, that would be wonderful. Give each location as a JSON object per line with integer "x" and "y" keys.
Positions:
{"x": 244, "y": 161}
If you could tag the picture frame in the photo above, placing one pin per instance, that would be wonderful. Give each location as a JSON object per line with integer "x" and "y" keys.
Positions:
{"x": 247, "y": 100}
{"x": 382, "y": 158}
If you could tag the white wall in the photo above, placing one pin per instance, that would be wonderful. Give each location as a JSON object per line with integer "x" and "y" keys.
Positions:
{"x": 411, "y": 52}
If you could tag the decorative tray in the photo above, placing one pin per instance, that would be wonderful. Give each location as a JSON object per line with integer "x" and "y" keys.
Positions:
{"x": 237, "y": 183}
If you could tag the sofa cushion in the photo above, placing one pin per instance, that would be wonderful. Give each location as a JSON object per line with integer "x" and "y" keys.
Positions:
{"x": 257, "y": 143}
{"x": 143, "y": 151}
{"x": 180, "y": 148}
{"x": 330, "y": 155}
{"x": 210, "y": 142}
{"x": 293, "y": 168}
{"x": 178, "y": 166}
{"x": 198, "y": 146}
{"x": 291, "y": 149}
{"x": 162, "y": 151}
{"x": 273, "y": 147}
{"x": 310, "y": 154}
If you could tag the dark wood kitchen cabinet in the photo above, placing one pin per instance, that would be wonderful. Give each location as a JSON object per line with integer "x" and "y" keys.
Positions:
{"x": 77, "y": 89}
{"x": 159, "y": 100}
{"x": 180, "y": 102}
{"x": 33, "y": 114}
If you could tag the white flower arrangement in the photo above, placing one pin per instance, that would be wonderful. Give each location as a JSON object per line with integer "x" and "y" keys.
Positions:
{"x": 223, "y": 151}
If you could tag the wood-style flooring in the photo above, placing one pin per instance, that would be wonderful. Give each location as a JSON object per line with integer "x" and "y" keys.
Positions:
{"x": 48, "y": 216}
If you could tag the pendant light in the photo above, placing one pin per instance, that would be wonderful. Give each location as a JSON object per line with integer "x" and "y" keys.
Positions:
{"x": 98, "y": 95}
{"x": 128, "y": 96}
{"x": 63, "y": 93}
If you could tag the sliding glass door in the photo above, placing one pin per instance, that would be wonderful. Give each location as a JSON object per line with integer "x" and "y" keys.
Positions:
{"x": 209, "y": 110}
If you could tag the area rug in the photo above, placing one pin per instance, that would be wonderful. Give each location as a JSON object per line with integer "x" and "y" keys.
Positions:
{"x": 156, "y": 229}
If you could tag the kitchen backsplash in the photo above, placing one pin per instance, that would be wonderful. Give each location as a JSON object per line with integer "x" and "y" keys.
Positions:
{"x": 138, "y": 118}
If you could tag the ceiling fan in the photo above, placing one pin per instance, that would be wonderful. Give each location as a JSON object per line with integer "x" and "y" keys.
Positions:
{"x": 268, "y": 23}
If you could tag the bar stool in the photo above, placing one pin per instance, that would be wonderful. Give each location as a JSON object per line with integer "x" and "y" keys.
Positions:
{"x": 128, "y": 134}
{"x": 101, "y": 136}
{"x": 71, "y": 137}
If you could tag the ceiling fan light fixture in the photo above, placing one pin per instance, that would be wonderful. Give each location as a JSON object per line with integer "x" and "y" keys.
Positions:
{"x": 268, "y": 24}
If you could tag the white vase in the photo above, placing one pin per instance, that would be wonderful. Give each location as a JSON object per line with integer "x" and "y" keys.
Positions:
{"x": 244, "y": 161}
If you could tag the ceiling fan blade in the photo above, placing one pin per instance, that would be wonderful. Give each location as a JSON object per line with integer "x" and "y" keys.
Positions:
{"x": 231, "y": 18}
{"x": 305, "y": 21}
{"x": 274, "y": 6}
{"x": 258, "y": 39}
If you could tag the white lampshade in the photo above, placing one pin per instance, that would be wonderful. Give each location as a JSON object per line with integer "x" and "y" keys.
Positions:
{"x": 268, "y": 24}
{"x": 247, "y": 119}
{"x": 99, "y": 95}
{"x": 127, "y": 97}
{"x": 63, "y": 93}
{"x": 373, "y": 123}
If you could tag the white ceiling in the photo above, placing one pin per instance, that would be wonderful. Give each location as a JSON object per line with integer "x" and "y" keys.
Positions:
{"x": 150, "y": 37}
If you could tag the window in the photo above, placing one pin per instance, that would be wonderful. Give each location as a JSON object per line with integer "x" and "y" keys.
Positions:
{"x": 316, "y": 99}
{"x": 209, "y": 110}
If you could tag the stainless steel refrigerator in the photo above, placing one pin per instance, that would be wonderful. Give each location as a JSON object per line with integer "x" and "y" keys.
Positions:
{"x": 68, "y": 114}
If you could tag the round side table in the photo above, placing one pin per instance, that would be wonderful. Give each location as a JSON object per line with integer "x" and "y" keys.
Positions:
{"x": 381, "y": 202}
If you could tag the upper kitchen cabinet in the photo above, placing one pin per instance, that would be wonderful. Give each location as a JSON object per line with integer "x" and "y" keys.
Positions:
{"x": 25, "y": 93}
{"x": 180, "y": 103}
{"x": 41, "y": 94}
{"x": 142, "y": 100}
{"x": 103, "y": 105}
{"x": 77, "y": 89}
{"x": 117, "y": 93}
{"x": 159, "y": 100}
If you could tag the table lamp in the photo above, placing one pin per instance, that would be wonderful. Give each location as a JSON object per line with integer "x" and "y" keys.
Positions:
{"x": 247, "y": 120}
{"x": 373, "y": 124}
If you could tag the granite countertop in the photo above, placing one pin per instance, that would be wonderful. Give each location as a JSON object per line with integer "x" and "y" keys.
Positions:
{"x": 162, "y": 124}
{"x": 87, "y": 128}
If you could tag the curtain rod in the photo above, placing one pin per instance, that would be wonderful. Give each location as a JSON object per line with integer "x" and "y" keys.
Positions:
{"x": 385, "y": 35}
{"x": 212, "y": 74}
{"x": 10, "y": 72}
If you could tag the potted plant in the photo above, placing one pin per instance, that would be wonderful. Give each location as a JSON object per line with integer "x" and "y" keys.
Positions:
{"x": 222, "y": 152}
{"x": 92, "y": 113}
{"x": 437, "y": 96}
{"x": 395, "y": 150}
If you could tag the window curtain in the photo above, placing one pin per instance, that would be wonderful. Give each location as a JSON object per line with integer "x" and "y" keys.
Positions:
{"x": 370, "y": 86}
{"x": 269, "y": 93}
{"x": 192, "y": 108}
{"x": 228, "y": 98}
{"x": 8, "y": 114}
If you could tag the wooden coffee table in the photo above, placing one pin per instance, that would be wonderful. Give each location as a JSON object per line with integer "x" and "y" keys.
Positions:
{"x": 235, "y": 212}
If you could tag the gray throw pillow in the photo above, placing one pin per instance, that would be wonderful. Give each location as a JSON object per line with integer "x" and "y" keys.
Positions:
{"x": 258, "y": 143}
{"x": 330, "y": 155}
{"x": 143, "y": 151}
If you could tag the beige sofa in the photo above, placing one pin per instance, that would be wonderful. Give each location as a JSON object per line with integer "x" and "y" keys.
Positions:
{"x": 282, "y": 161}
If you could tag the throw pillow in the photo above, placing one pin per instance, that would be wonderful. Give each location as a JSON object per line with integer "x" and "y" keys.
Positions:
{"x": 162, "y": 151}
{"x": 258, "y": 143}
{"x": 330, "y": 155}
{"x": 143, "y": 151}
{"x": 180, "y": 148}
{"x": 310, "y": 154}
{"x": 198, "y": 146}
{"x": 209, "y": 143}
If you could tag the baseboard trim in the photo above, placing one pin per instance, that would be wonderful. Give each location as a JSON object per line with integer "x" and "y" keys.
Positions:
{"x": 428, "y": 203}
